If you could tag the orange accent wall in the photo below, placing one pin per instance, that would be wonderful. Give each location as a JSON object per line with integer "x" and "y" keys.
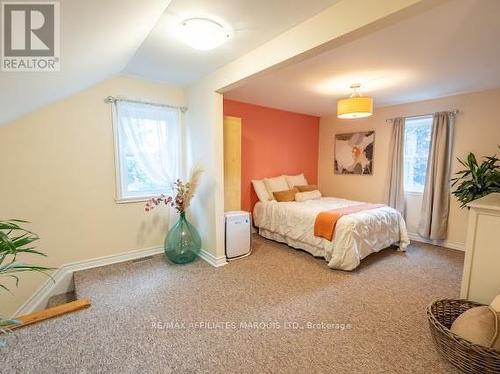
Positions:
{"x": 274, "y": 142}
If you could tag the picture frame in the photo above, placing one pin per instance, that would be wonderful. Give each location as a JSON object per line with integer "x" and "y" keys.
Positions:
{"x": 354, "y": 153}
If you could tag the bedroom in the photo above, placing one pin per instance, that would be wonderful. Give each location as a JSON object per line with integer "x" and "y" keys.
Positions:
{"x": 299, "y": 102}
{"x": 104, "y": 154}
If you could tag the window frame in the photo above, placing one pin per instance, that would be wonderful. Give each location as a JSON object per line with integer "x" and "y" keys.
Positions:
{"x": 413, "y": 191}
{"x": 120, "y": 176}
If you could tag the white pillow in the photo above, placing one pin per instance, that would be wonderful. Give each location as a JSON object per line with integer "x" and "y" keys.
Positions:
{"x": 309, "y": 195}
{"x": 275, "y": 184}
{"x": 296, "y": 180}
{"x": 261, "y": 190}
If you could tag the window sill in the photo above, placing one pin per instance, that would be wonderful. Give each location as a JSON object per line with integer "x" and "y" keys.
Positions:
{"x": 138, "y": 199}
{"x": 414, "y": 193}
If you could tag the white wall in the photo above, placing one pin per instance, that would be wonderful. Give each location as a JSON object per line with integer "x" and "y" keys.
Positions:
{"x": 58, "y": 172}
{"x": 205, "y": 149}
{"x": 477, "y": 130}
{"x": 205, "y": 119}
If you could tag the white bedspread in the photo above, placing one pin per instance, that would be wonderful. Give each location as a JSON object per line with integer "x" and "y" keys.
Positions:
{"x": 356, "y": 235}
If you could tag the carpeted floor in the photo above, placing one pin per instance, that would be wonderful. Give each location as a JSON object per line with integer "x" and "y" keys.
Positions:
{"x": 250, "y": 316}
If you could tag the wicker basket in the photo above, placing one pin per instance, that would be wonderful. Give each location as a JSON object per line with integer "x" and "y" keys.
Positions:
{"x": 465, "y": 356}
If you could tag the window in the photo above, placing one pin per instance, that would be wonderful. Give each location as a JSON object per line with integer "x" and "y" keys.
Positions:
{"x": 147, "y": 141}
{"x": 417, "y": 140}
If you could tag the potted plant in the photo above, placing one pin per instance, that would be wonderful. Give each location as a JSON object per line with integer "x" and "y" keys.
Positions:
{"x": 183, "y": 243}
{"x": 15, "y": 240}
{"x": 476, "y": 180}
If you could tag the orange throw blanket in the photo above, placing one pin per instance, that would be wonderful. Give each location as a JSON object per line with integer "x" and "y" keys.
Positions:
{"x": 325, "y": 223}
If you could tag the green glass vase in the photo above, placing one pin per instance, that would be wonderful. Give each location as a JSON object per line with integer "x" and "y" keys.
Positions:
{"x": 183, "y": 243}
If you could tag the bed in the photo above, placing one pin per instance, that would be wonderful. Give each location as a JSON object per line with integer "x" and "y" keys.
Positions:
{"x": 356, "y": 235}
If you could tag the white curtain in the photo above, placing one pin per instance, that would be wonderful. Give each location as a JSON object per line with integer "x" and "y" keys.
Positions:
{"x": 395, "y": 190}
{"x": 155, "y": 137}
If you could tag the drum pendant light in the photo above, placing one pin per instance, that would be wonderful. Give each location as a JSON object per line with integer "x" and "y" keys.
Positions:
{"x": 355, "y": 106}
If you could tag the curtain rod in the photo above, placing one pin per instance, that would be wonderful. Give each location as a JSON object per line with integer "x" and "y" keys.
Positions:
{"x": 112, "y": 99}
{"x": 452, "y": 112}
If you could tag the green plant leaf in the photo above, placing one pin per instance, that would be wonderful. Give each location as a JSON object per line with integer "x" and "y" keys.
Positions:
{"x": 5, "y": 288}
{"x": 477, "y": 180}
{"x": 8, "y": 322}
{"x": 16, "y": 240}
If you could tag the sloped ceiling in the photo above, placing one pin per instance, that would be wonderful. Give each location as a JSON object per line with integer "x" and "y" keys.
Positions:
{"x": 98, "y": 38}
{"x": 449, "y": 49}
{"x": 103, "y": 38}
{"x": 163, "y": 57}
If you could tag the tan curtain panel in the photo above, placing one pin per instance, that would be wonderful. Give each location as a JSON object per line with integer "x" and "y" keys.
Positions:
{"x": 395, "y": 191}
{"x": 436, "y": 200}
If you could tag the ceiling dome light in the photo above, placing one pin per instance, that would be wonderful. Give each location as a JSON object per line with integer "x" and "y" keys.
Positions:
{"x": 355, "y": 106}
{"x": 203, "y": 34}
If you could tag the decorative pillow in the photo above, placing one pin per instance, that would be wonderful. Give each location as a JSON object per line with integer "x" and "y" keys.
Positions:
{"x": 276, "y": 184}
{"x": 296, "y": 180}
{"x": 307, "y": 187}
{"x": 261, "y": 190}
{"x": 309, "y": 195}
{"x": 285, "y": 196}
{"x": 480, "y": 325}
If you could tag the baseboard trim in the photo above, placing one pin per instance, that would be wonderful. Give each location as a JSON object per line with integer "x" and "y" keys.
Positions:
{"x": 441, "y": 243}
{"x": 62, "y": 278}
{"x": 212, "y": 260}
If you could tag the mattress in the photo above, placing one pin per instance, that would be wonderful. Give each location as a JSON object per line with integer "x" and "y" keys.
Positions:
{"x": 356, "y": 235}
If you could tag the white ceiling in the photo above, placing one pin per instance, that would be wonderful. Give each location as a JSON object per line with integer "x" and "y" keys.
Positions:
{"x": 103, "y": 38}
{"x": 452, "y": 48}
{"x": 164, "y": 57}
{"x": 98, "y": 38}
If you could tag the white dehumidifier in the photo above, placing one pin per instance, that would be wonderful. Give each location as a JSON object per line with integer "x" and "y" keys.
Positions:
{"x": 238, "y": 234}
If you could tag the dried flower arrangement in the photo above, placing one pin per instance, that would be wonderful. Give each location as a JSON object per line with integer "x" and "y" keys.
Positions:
{"x": 182, "y": 196}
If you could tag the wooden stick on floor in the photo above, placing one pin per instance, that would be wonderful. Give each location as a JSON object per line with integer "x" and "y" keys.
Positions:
{"x": 55, "y": 311}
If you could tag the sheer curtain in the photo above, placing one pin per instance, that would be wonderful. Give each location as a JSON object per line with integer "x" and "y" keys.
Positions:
{"x": 436, "y": 201}
{"x": 155, "y": 137}
{"x": 395, "y": 192}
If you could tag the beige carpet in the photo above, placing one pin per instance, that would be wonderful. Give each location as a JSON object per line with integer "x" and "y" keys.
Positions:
{"x": 146, "y": 316}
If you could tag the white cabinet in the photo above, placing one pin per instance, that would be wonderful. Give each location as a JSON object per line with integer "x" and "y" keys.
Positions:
{"x": 481, "y": 276}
